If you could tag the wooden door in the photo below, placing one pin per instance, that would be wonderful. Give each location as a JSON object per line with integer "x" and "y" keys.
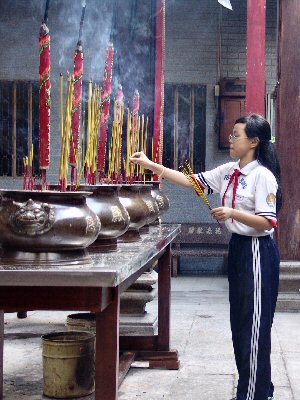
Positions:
{"x": 232, "y": 108}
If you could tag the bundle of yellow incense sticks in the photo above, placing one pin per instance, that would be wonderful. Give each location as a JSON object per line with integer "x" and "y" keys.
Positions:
{"x": 28, "y": 178}
{"x": 66, "y": 125}
{"x": 186, "y": 169}
{"x": 115, "y": 149}
{"x": 94, "y": 115}
{"x": 142, "y": 144}
{"x": 188, "y": 172}
{"x": 129, "y": 166}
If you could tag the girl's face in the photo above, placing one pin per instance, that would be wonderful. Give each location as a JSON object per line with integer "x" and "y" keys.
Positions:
{"x": 240, "y": 145}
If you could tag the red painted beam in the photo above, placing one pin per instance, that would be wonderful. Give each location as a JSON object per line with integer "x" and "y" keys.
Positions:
{"x": 159, "y": 81}
{"x": 256, "y": 57}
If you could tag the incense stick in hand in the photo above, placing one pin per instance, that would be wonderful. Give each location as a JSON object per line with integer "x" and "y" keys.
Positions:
{"x": 186, "y": 169}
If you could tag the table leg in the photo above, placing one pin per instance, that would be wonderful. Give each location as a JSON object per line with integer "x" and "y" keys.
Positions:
{"x": 164, "y": 300}
{"x": 163, "y": 357}
{"x": 1, "y": 352}
{"x": 156, "y": 349}
{"x": 107, "y": 351}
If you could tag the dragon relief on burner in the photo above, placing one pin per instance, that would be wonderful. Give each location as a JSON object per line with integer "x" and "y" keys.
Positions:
{"x": 32, "y": 218}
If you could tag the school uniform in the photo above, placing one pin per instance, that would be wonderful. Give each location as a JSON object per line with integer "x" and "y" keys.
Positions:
{"x": 253, "y": 271}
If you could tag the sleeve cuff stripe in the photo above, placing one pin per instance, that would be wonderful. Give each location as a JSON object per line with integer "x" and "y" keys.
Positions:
{"x": 201, "y": 179}
{"x": 267, "y": 214}
{"x": 206, "y": 189}
{"x": 204, "y": 182}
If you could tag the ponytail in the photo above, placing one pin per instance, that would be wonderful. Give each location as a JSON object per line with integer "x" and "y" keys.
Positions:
{"x": 257, "y": 126}
{"x": 267, "y": 156}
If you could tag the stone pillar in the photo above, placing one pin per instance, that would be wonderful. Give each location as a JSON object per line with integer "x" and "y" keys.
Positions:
{"x": 256, "y": 57}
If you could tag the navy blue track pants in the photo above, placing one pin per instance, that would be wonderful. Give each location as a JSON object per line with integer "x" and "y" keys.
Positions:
{"x": 253, "y": 274}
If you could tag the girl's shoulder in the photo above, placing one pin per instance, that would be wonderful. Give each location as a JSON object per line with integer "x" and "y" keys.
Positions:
{"x": 263, "y": 173}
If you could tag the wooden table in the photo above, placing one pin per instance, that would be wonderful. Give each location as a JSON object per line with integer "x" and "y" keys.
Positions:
{"x": 96, "y": 286}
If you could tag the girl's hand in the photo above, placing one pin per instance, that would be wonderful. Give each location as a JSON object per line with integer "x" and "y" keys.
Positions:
{"x": 222, "y": 213}
{"x": 140, "y": 158}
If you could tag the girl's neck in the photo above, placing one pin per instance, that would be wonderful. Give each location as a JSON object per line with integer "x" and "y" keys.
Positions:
{"x": 246, "y": 160}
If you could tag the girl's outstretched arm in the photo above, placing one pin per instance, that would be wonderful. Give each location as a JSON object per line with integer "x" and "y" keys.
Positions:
{"x": 166, "y": 173}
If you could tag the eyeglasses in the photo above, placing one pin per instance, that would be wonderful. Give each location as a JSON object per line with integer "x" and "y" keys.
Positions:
{"x": 234, "y": 138}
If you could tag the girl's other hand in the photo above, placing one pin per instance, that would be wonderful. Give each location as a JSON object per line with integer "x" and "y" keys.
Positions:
{"x": 221, "y": 213}
{"x": 140, "y": 158}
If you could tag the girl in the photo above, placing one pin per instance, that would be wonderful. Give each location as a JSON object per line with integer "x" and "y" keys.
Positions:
{"x": 250, "y": 197}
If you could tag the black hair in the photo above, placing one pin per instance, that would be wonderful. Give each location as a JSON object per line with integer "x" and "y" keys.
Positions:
{"x": 258, "y": 126}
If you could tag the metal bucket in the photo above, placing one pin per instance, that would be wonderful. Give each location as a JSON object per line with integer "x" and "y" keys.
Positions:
{"x": 68, "y": 364}
{"x": 81, "y": 322}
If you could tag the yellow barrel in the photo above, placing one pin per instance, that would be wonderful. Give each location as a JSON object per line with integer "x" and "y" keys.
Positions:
{"x": 68, "y": 364}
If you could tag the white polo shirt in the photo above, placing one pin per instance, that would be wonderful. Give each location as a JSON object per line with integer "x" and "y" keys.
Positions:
{"x": 256, "y": 193}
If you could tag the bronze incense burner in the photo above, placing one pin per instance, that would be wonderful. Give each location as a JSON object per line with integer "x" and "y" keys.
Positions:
{"x": 153, "y": 210}
{"x": 105, "y": 203}
{"x": 46, "y": 221}
{"x": 161, "y": 199}
{"x": 138, "y": 211}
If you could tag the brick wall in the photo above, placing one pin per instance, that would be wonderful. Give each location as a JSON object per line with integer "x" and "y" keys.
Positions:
{"x": 194, "y": 32}
{"x": 19, "y": 42}
{"x": 192, "y": 43}
{"x": 233, "y": 42}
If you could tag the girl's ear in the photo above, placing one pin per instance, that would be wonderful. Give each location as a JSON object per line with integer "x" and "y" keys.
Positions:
{"x": 254, "y": 142}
